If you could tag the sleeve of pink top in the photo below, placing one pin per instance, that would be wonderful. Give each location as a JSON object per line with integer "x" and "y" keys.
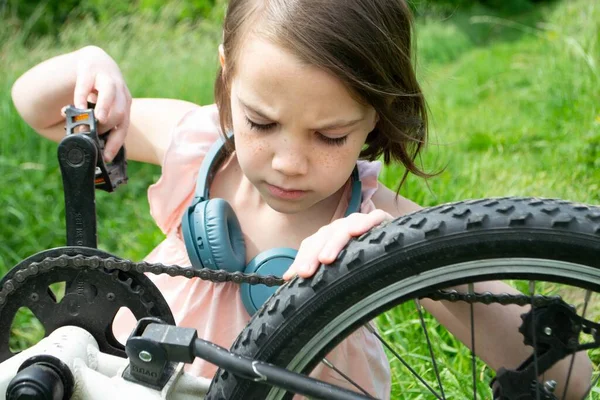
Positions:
{"x": 191, "y": 139}
{"x": 368, "y": 171}
{"x": 216, "y": 310}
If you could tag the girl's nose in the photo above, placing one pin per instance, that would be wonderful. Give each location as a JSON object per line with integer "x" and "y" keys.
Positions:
{"x": 290, "y": 158}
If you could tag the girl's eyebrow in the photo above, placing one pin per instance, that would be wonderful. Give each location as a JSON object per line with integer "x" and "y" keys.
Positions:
{"x": 254, "y": 110}
{"x": 341, "y": 123}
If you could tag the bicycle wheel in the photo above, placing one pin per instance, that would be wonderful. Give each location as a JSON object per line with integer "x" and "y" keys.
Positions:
{"x": 542, "y": 247}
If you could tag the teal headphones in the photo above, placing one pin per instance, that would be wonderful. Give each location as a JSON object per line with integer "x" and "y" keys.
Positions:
{"x": 213, "y": 236}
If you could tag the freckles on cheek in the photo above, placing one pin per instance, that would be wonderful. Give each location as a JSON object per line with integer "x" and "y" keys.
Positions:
{"x": 249, "y": 148}
{"x": 252, "y": 144}
{"x": 329, "y": 160}
{"x": 333, "y": 159}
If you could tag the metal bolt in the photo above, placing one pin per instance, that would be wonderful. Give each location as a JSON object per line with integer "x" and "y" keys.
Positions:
{"x": 548, "y": 331}
{"x": 34, "y": 296}
{"x": 75, "y": 157}
{"x": 145, "y": 356}
{"x": 110, "y": 296}
{"x": 550, "y": 386}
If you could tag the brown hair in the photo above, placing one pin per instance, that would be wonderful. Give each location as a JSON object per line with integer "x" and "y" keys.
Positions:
{"x": 365, "y": 43}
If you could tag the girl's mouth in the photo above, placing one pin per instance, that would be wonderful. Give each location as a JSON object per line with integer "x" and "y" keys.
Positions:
{"x": 285, "y": 193}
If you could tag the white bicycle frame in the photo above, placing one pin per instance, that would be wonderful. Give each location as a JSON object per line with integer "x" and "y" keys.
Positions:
{"x": 97, "y": 375}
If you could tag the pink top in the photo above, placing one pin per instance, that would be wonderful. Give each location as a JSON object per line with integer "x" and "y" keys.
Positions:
{"x": 215, "y": 310}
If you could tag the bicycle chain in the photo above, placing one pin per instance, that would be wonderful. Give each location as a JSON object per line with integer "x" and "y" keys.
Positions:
{"x": 112, "y": 263}
{"x": 537, "y": 300}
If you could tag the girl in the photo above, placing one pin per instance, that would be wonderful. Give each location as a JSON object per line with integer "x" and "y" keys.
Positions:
{"x": 311, "y": 89}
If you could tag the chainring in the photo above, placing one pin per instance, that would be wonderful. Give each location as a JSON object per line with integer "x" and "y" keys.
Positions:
{"x": 91, "y": 300}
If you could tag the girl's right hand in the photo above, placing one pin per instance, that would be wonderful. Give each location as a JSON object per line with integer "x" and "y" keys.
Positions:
{"x": 99, "y": 80}
{"x": 91, "y": 74}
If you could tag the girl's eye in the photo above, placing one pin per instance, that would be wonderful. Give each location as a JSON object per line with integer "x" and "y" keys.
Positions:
{"x": 259, "y": 127}
{"x": 333, "y": 141}
{"x": 326, "y": 139}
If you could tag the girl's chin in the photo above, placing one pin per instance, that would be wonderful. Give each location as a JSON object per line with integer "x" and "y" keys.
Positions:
{"x": 285, "y": 207}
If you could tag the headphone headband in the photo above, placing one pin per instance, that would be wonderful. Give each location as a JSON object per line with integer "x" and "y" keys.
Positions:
{"x": 212, "y": 160}
{"x": 356, "y": 194}
{"x": 215, "y": 156}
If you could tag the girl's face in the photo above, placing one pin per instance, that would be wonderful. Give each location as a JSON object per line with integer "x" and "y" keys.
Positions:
{"x": 298, "y": 132}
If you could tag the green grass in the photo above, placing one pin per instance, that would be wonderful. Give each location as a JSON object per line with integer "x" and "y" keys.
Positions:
{"x": 514, "y": 117}
{"x": 514, "y": 111}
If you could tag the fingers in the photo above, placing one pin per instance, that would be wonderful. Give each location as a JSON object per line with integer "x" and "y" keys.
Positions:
{"x": 306, "y": 260}
{"x": 115, "y": 140}
{"x": 324, "y": 246}
{"x": 113, "y": 104}
{"x": 355, "y": 226}
{"x": 121, "y": 116}
{"x": 84, "y": 85}
{"x": 106, "y": 97}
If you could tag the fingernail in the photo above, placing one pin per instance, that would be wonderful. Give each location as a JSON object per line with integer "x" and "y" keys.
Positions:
{"x": 294, "y": 271}
{"x": 288, "y": 275}
{"x": 108, "y": 156}
{"x": 289, "y": 272}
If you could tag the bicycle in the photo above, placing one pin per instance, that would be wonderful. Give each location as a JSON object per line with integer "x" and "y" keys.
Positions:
{"x": 402, "y": 263}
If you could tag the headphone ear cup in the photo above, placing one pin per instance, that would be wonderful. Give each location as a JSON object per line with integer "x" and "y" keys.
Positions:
{"x": 193, "y": 242}
{"x": 270, "y": 262}
{"x": 224, "y": 236}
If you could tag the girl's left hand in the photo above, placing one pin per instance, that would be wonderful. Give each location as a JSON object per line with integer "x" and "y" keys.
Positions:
{"x": 324, "y": 246}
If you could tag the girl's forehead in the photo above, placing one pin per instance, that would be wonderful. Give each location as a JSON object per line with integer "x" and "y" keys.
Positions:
{"x": 264, "y": 52}
{"x": 265, "y": 70}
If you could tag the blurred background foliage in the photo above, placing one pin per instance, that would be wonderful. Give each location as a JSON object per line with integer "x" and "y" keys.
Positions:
{"x": 46, "y": 17}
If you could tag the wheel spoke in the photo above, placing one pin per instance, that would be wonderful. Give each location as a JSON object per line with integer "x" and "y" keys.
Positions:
{"x": 412, "y": 371}
{"x": 473, "y": 356}
{"x": 589, "y": 390}
{"x": 588, "y": 293}
{"x": 535, "y": 359}
{"x": 333, "y": 367}
{"x": 435, "y": 367}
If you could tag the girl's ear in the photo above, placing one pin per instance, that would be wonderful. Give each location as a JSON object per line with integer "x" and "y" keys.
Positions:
{"x": 375, "y": 120}
{"x": 222, "y": 56}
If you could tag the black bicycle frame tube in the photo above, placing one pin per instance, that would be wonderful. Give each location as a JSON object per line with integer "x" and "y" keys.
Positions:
{"x": 270, "y": 374}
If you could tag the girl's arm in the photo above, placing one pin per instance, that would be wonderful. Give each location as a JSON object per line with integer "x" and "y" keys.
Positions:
{"x": 90, "y": 74}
